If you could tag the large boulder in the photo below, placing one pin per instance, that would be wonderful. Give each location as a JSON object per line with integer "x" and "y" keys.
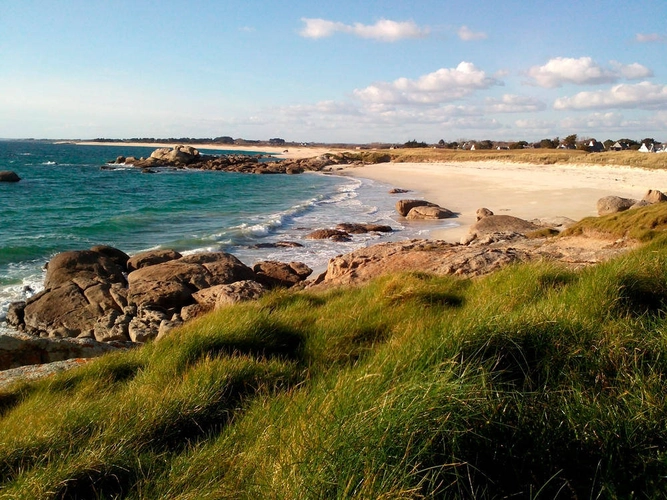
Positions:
{"x": 63, "y": 311}
{"x": 9, "y": 176}
{"x": 82, "y": 265}
{"x": 483, "y": 212}
{"x": 654, "y": 196}
{"x": 150, "y": 258}
{"x": 614, "y": 204}
{"x": 178, "y": 156}
{"x": 221, "y": 295}
{"x": 171, "y": 284}
{"x": 403, "y": 207}
{"x": 429, "y": 213}
{"x": 280, "y": 274}
{"x": 502, "y": 224}
{"x": 328, "y": 234}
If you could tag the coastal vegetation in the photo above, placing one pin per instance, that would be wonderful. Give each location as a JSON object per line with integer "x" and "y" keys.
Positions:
{"x": 534, "y": 382}
{"x": 534, "y": 156}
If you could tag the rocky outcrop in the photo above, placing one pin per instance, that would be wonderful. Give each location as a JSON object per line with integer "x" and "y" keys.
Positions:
{"x": 429, "y": 213}
{"x": 188, "y": 157}
{"x": 9, "y": 176}
{"x": 483, "y": 212}
{"x": 87, "y": 295}
{"x": 279, "y": 274}
{"x": 415, "y": 255}
{"x": 356, "y": 228}
{"x": 331, "y": 234}
{"x": 150, "y": 258}
{"x": 614, "y": 204}
{"x": 403, "y": 207}
{"x": 501, "y": 224}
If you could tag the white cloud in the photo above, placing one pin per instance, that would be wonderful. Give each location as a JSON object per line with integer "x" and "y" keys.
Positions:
{"x": 642, "y": 95}
{"x": 584, "y": 71}
{"x": 650, "y": 38}
{"x": 443, "y": 85}
{"x": 634, "y": 71}
{"x": 467, "y": 35}
{"x": 563, "y": 70}
{"x": 514, "y": 104}
{"x": 383, "y": 30}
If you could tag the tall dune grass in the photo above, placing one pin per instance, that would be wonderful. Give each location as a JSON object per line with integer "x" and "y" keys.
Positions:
{"x": 534, "y": 382}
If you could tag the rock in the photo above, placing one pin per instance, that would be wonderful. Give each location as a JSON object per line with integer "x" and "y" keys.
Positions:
{"x": 179, "y": 155}
{"x": 354, "y": 228}
{"x": 82, "y": 264}
{"x": 429, "y": 213}
{"x": 613, "y": 204}
{"x": 117, "y": 256}
{"x": 431, "y": 256}
{"x": 61, "y": 309}
{"x": 166, "y": 326}
{"x": 323, "y": 234}
{"x": 16, "y": 314}
{"x": 501, "y": 224}
{"x": 241, "y": 291}
{"x": 278, "y": 244}
{"x": 114, "y": 326}
{"x": 194, "y": 310}
{"x": 654, "y": 196}
{"x": 171, "y": 284}
{"x": 150, "y": 258}
{"x": 403, "y": 207}
{"x": 36, "y": 372}
{"x": 279, "y": 274}
{"x": 222, "y": 267}
{"x": 9, "y": 176}
{"x": 20, "y": 350}
{"x": 398, "y": 191}
{"x": 483, "y": 212}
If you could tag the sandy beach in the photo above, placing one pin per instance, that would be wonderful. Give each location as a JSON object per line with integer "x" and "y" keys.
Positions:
{"x": 521, "y": 190}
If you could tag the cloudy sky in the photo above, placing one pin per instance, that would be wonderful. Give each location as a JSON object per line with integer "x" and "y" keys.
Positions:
{"x": 334, "y": 71}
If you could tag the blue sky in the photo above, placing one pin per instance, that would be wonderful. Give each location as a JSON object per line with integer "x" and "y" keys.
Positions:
{"x": 337, "y": 71}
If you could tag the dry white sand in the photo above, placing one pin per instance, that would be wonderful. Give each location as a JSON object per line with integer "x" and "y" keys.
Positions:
{"x": 521, "y": 190}
{"x": 286, "y": 152}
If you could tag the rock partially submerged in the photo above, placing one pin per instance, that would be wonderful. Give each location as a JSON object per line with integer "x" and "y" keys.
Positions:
{"x": 9, "y": 176}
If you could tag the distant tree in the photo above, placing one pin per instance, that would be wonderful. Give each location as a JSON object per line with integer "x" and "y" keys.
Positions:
{"x": 648, "y": 141}
{"x": 570, "y": 141}
{"x": 441, "y": 142}
{"x": 631, "y": 144}
{"x": 549, "y": 144}
{"x": 414, "y": 144}
{"x": 518, "y": 145}
{"x": 276, "y": 141}
{"x": 453, "y": 145}
{"x": 225, "y": 139}
{"x": 486, "y": 144}
{"x": 608, "y": 144}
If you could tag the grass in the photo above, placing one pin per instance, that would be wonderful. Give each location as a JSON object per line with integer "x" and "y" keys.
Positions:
{"x": 533, "y": 156}
{"x": 535, "y": 382}
{"x": 641, "y": 224}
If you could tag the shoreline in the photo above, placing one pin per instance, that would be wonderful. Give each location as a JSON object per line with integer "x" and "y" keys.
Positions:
{"x": 522, "y": 190}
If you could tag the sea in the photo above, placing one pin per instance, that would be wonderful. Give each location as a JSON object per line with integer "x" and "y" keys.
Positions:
{"x": 66, "y": 201}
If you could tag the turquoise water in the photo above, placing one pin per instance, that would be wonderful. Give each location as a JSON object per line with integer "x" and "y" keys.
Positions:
{"x": 66, "y": 202}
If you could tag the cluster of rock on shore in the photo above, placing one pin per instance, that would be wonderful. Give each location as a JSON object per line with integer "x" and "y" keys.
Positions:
{"x": 189, "y": 157}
